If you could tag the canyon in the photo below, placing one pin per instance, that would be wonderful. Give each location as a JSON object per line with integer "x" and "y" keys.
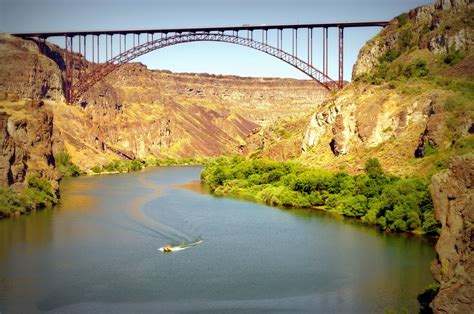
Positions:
{"x": 409, "y": 105}
{"x": 136, "y": 112}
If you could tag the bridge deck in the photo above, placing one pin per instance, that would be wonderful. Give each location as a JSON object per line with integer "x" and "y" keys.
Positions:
{"x": 203, "y": 29}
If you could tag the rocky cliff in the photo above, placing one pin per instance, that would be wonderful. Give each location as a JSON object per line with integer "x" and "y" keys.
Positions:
{"x": 453, "y": 200}
{"x": 136, "y": 112}
{"x": 26, "y": 132}
{"x": 260, "y": 100}
{"x": 438, "y": 27}
{"x": 411, "y": 101}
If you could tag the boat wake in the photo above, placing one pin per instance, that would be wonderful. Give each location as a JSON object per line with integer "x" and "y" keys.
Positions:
{"x": 180, "y": 247}
{"x": 179, "y": 239}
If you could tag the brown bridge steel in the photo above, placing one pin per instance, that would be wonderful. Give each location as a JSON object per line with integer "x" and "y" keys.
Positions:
{"x": 153, "y": 39}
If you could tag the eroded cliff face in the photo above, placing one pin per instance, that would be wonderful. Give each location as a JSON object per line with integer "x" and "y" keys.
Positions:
{"x": 397, "y": 118}
{"x": 25, "y": 72}
{"x": 453, "y": 199}
{"x": 441, "y": 29}
{"x": 260, "y": 100}
{"x": 366, "y": 121}
{"x": 136, "y": 112}
{"x": 26, "y": 132}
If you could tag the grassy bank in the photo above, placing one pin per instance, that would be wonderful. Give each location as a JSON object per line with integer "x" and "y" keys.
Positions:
{"x": 376, "y": 198}
{"x": 124, "y": 166}
{"x": 38, "y": 194}
{"x": 68, "y": 169}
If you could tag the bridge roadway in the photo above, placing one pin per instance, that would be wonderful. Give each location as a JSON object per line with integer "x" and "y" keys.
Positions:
{"x": 264, "y": 27}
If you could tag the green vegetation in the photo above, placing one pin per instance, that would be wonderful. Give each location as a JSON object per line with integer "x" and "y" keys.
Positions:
{"x": 402, "y": 19}
{"x": 453, "y": 56}
{"x": 37, "y": 195}
{"x": 390, "y": 202}
{"x": 124, "y": 166}
{"x": 426, "y": 297}
{"x": 65, "y": 166}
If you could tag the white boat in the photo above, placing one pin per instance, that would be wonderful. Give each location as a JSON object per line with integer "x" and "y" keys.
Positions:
{"x": 168, "y": 248}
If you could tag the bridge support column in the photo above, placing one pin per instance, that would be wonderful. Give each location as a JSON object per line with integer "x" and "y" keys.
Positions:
{"x": 341, "y": 57}
{"x": 68, "y": 64}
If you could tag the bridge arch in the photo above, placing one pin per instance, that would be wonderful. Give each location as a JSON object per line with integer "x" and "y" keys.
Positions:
{"x": 101, "y": 70}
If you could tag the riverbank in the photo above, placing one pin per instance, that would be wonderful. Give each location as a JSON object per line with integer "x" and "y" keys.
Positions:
{"x": 389, "y": 202}
{"x": 67, "y": 168}
{"x": 39, "y": 192}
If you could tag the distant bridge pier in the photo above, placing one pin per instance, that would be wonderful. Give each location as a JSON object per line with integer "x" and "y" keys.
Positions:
{"x": 79, "y": 78}
{"x": 341, "y": 56}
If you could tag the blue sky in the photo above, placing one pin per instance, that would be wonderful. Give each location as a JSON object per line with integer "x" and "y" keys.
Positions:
{"x": 217, "y": 58}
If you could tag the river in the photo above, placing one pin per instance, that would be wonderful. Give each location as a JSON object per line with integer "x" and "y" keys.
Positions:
{"x": 98, "y": 252}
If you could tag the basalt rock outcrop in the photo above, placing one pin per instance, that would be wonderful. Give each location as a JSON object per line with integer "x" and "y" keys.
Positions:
{"x": 26, "y": 140}
{"x": 453, "y": 199}
{"x": 25, "y": 72}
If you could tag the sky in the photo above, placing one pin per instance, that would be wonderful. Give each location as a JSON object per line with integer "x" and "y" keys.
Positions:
{"x": 205, "y": 57}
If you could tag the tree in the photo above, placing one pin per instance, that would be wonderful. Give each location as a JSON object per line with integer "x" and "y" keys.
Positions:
{"x": 373, "y": 168}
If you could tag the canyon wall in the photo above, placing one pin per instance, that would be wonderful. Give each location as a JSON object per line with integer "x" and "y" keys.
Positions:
{"x": 410, "y": 102}
{"x": 453, "y": 200}
{"x": 136, "y": 112}
{"x": 26, "y": 144}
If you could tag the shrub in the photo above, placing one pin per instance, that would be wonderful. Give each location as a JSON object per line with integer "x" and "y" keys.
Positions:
{"x": 405, "y": 39}
{"x": 354, "y": 206}
{"x": 465, "y": 145}
{"x": 96, "y": 169}
{"x": 65, "y": 166}
{"x": 416, "y": 69}
{"x": 413, "y": 220}
{"x": 429, "y": 149}
{"x": 390, "y": 55}
{"x": 40, "y": 192}
{"x": 457, "y": 103}
{"x": 424, "y": 29}
{"x": 430, "y": 225}
{"x": 373, "y": 168}
{"x": 402, "y": 19}
{"x": 453, "y": 56}
{"x": 11, "y": 202}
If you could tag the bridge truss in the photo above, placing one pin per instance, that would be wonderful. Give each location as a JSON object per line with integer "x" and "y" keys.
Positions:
{"x": 112, "y": 45}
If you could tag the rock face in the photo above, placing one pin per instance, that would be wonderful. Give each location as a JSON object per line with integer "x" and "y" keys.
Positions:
{"x": 260, "y": 100}
{"x": 359, "y": 120}
{"x": 279, "y": 141}
{"x": 441, "y": 37}
{"x": 453, "y": 199}
{"x": 26, "y": 133}
{"x": 386, "y": 113}
{"x": 136, "y": 112}
{"x": 25, "y": 72}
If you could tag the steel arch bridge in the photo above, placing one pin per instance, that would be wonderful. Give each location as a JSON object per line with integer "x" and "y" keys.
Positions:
{"x": 77, "y": 84}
